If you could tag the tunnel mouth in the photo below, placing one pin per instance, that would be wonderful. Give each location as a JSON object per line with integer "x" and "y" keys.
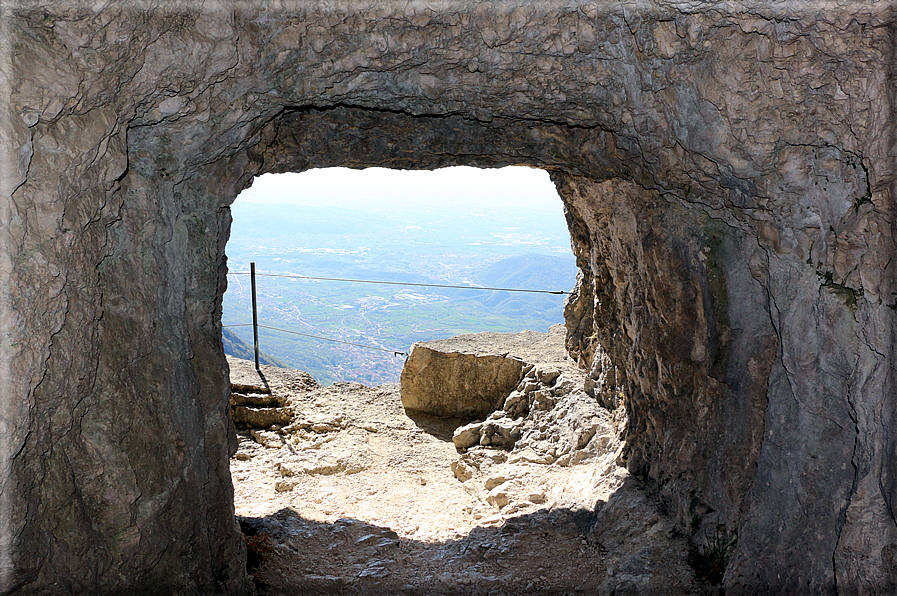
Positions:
{"x": 351, "y": 267}
{"x": 349, "y": 486}
{"x": 596, "y": 193}
{"x": 658, "y": 242}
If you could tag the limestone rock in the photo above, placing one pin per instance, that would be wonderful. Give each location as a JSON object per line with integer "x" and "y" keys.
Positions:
{"x": 467, "y": 435}
{"x": 496, "y": 431}
{"x": 260, "y": 417}
{"x": 254, "y": 399}
{"x": 494, "y": 481}
{"x": 498, "y": 496}
{"x": 461, "y": 471}
{"x": 444, "y": 382}
{"x": 728, "y": 176}
{"x": 283, "y": 486}
{"x": 471, "y": 376}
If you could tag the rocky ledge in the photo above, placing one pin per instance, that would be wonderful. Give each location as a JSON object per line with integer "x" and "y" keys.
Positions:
{"x": 471, "y": 376}
{"x": 358, "y": 495}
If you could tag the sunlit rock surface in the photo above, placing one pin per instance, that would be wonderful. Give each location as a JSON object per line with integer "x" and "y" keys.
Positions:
{"x": 471, "y": 376}
{"x": 455, "y": 384}
{"x": 728, "y": 173}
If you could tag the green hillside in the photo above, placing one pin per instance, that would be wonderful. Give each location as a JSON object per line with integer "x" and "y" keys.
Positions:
{"x": 531, "y": 271}
{"x": 236, "y": 347}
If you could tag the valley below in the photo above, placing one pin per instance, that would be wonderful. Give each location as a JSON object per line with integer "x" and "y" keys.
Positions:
{"x": 474, "y": 240}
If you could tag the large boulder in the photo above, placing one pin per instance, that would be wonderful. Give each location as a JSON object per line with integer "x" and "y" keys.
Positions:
{"x": 470, "y": 376}
{"x": 457, "y": 384}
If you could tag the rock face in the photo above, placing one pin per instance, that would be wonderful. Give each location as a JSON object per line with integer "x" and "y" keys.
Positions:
{"x": 728, "y": 174}
{"x": 471, "y": 376}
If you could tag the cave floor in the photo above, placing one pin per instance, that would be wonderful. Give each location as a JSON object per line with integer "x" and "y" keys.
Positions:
{"x": 357, "y": 497}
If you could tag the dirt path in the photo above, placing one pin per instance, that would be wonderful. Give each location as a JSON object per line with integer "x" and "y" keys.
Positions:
{"x": 356, "y": 497}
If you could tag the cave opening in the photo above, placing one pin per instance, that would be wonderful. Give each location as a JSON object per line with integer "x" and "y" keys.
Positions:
{"x": 340, "y": 484}
{"x": 457, "y": 226}
{"x": 337, "y": 455}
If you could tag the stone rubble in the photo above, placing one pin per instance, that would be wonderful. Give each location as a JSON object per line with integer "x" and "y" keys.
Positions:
{"x": 359, "y": 495}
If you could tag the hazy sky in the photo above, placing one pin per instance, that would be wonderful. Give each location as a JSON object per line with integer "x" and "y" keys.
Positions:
{"x": 513, "y": 186}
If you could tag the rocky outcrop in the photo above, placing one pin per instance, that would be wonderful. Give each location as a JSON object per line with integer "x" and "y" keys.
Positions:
{"x": 547, "y": 417}
{"x": 726, "y": 349}
{"x": 728, "y": 174}
{"x": 543, "y": 375}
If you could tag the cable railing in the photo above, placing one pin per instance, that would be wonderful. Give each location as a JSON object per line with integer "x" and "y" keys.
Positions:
{"x": 321, "y": 337}
{"x": 256, "y": 326}
{"x": 402, "y": 283}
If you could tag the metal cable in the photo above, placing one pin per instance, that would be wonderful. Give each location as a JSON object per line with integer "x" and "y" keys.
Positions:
{"x": 402, "y": 283}
{"x": 339, "y": 341}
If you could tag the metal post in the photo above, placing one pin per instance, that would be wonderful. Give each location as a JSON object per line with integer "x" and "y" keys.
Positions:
{"x": 255, "y": 319}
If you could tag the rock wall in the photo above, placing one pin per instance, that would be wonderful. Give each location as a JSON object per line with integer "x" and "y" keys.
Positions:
{"x": 756, "y": 398}
{"x": 728, "y": 173}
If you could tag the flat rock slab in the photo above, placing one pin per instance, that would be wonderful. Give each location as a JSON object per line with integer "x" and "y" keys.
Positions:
{"x": 469, "y": 376}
